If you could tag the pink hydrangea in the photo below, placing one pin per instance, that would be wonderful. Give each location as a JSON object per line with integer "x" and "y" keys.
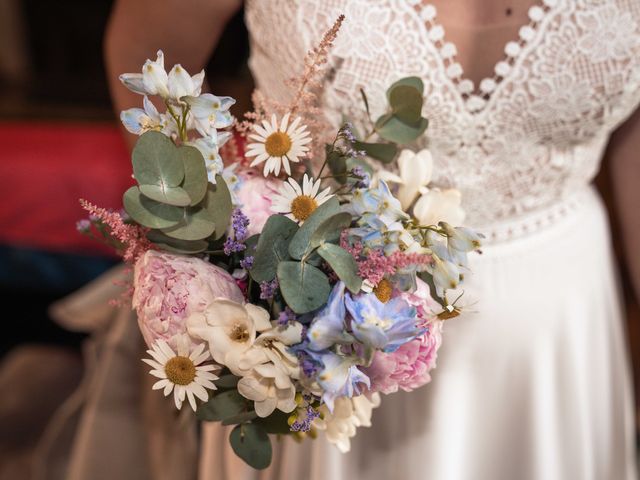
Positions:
{"x": 255, "y": 196}
{"x": 168, "y": 288}
{"x": 408, "y": 367}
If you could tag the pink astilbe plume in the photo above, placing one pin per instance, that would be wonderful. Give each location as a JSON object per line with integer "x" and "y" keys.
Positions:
{"x": 374, "y": 265}
{"x": 131, "y": 239}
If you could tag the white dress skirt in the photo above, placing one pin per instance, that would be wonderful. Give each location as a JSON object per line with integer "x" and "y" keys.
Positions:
{"x": 531, "y": 383}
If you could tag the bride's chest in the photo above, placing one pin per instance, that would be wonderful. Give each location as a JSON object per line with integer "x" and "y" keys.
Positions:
{"x": 571, "y": 70}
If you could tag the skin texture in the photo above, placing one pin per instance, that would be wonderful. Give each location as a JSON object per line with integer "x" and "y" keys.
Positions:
{"x": 188, "y": 31}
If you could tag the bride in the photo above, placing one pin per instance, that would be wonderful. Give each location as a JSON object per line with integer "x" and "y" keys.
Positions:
{"x": 523, "y": 97}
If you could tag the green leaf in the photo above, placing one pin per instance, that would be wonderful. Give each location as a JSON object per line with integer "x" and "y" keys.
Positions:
{"x": 304, "y": 287}
{"x": 176, "y": 246}
{"x": 415, "y": 82}
{"x": 227, "y": 381}
{"x": 251, "y": 443}
{"x": 385, "y": 152}
{"x": 164, "y": 194}
{"x": 343, "y": 264}
{"x": 427, "y": 278}
{"x": 330, "y": 229}
{"x": 272, "y": 248}
{"x": 150, "y": 213}
{"x": 218, "y": 201}
{"x": 241, "y": 418}
{"x": 299, "y": 245}
{"x": 156, "y": 161}
{"x": 406, "y": 103}
{"x": 397, "y": 131}
{"x": 366, "y": 102}
{"x": 221, "y": 406}
{"x": 277, "y": 422}
{"x": 197, "y": 224}
{"x": 195, "y": 173}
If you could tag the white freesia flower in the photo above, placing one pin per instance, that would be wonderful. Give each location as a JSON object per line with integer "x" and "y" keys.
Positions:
{"x": 415, "y": 171}
{"x": 229, "y": 328}
{"x": 270, "y": 388}
{"x": 297, "y": 202}
{"x": 437, "y": 205}
{"x": 278, "y": 144}
{"x": 348, "y": 414}
{"x": 182, "y": 373}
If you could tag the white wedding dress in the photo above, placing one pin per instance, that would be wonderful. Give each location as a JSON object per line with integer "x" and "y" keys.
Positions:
{"x": 533, "y": 382}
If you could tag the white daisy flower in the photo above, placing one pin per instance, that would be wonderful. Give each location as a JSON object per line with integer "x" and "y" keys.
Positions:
{"x": 182, "y": 373}
{"x": 299, "y": 202}
{"x": 277, "y": 145}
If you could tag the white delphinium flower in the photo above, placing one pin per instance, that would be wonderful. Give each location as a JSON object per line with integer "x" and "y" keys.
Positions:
{"x": 210, "y": 112}
{"x": 209, "y": 147}
{"x": 348, "y": 414}
{"x": 139, "y": 121}
{"x": 229, "y": 328}
{"x": 182, "y": 373}
{"x": 154, "y": 80}
{"x": 297, "y": 202}
{"x": 278, "y": 144}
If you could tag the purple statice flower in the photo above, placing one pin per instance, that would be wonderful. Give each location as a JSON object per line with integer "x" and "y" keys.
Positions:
{"x": 346, "y": 131}
{"x": 308, "y": 364}
{"x": 239, "y": 223}
{"x": 364, "y": 181}
{"x": 83, "y": 225}
{"x": 286, "y": 316}
{"x": 304, "y": 425}
{"x": 247, "y": 262}
{"x": 268, "y": 289}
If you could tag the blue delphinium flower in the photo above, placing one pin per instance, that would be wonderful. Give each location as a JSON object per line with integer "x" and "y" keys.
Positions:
{"x": 382, "y": 326}
{"x": 340, "y": 377}
{"x": 328, "y": 328}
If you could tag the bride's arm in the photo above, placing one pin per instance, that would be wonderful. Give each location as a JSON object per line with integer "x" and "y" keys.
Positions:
{"x": 624, "y": 153}
{"x": 186, "y": 30}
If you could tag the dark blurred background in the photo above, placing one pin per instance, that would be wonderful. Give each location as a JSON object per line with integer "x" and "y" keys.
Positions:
{"x": 59, "y": 141}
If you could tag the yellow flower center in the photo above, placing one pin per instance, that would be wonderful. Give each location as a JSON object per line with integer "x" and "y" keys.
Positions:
{"x": 180, "y": 370}
{"x": 303, "y": 206}
{"x": 383, "y": 290}
{"x": 239, "y": 333}
{"x": 277, "y": 144}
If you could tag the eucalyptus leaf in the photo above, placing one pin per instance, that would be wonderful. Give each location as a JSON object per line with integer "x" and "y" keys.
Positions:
{"x": 164, "y": 194}
{"x": 304, "y": 287}
{"x": 366, "y": 102}
{"x": 337, "y": 164}
{"x": 343, "y": 264}
{"x": 150, "y": 213}
{"x": 195, "y": 173}
{"x": 406, "y": 103}
{"x": 240, "y": 418}
{"x": 176, "y": 246}
{"x": 156, "y": 161}
{"x": 227, "y": 381}
{"x": 221, "y": 406}
{"x": 277, "y": 422}
{"x": 415, "y": 82}
{"x": 272, "y": 247}
{"x": 330, "y": 229}
{"x": 397, "y": 131}
{"x": 197, "y": 224}
{"x": 299, "y": 245}
{"x": 385, "y": 152}
{"x": 251, "y": 443}
{"x": 218, "y": 202}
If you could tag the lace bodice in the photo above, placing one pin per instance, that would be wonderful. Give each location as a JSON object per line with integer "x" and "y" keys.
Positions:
{"x": 515, "y": 144}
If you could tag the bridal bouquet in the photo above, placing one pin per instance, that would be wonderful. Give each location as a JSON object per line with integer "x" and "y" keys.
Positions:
{"x": 283, "y": 278}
